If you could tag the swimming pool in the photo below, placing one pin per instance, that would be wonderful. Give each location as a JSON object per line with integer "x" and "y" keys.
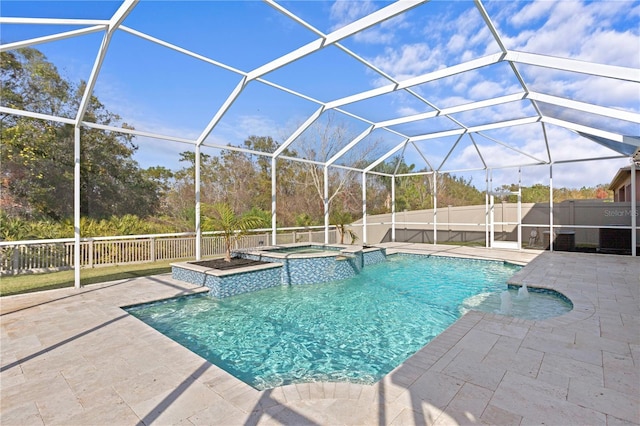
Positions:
{"x": 354, "y": 330}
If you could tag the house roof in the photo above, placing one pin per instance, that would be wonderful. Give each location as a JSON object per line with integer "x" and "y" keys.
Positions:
{"x": 622, "y": 176}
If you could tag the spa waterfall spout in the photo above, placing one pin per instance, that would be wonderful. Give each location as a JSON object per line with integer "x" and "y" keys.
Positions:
{"x": 505, "y": 303}
{"x": 523, "y": 293}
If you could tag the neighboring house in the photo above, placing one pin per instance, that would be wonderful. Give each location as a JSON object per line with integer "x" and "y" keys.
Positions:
{"x": 621, "y": 184}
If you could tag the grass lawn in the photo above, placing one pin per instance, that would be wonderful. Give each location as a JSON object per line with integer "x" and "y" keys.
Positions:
{"x": 36, "y": 282}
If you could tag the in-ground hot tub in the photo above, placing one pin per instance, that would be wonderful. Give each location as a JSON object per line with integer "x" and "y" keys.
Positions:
{"x": 311, "y": 263}
{"x": 292, "y": 264}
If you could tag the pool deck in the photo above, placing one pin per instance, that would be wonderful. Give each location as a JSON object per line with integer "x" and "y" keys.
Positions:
{"x": 73, "y": 357}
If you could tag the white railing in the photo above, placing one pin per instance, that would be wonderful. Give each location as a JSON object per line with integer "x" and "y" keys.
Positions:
{"x": 38, "y": 256}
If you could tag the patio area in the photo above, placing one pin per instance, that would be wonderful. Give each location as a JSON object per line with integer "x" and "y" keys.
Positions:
{"x": 74, "y": 357}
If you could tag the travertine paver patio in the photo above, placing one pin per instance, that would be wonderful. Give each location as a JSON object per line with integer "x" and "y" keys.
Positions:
{"x": 74, "y": 357}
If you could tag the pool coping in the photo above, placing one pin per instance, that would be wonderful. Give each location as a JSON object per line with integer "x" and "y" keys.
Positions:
{"x": 225, "y": 272}
{"x": 341, "y": 250}
{"x": 72, "y": 356}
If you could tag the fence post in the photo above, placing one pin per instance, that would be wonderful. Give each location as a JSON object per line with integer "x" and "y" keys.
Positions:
{"x": 152, "y": 253}
{"x": 15, "y": 261}
{"x": 91, "y": 253}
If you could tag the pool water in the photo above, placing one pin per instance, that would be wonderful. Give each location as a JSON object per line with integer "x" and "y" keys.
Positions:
{"x": 353, "y": 330}
{"x": 540, "y": 304}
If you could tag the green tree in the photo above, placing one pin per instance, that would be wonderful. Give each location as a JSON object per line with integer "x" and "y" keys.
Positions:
{"x": 264, "y": 215}
{"x": 536, "y": 193}
{"x": 305, "y": 219}
{"x": 14, "y": 228}
{"x": 37, "y": 156}
{"x": 30, "y": 82}
{"x": 221, "y": 217}
{"x": 341, "y": 219}
{"x": 457, "y": 191}
{"x": 412, "y": 192}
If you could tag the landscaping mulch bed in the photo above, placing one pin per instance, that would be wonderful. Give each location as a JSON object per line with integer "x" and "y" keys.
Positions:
{"x": 221, "y": 264}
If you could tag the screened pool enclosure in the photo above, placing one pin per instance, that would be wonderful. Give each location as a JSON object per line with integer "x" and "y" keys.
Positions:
{"x": 453, "y": 87}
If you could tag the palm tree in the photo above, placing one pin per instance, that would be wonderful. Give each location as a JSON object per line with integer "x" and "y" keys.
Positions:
{"x": 221, "y": 217}
{"x": 341, "y": 219}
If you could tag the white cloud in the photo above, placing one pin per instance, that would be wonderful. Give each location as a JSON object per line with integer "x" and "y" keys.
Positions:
{"x": 344, "y": 12}
{"x": 531, "y": 12}
{"x": 374, "y": 36}
{"x": 607, "y": 12}
{"x": 248, "y": 125}
{"x": 485, "y": 89}
{"x": 461, "y": 82}
{"x": 585, "y": 31}
{"x": 616, "y": 94}
{"x": 457, "y": 42}
{"x": 444, "y": 39}
{"x": 497, "y": 113}
{"x": 406, "y": 111}
{"x": 558, "y": 36}
{"x": 408, "y": 61}
{"x": 452, "y": 100}
{"x": 384, "y": 33}
{"x": 584, "y": 88}
{"x": 468, "y": 34}
{"x": 613, "y": 48}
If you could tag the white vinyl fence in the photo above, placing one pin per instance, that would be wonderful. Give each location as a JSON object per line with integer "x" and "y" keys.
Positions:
{"x": 17, "y": 257}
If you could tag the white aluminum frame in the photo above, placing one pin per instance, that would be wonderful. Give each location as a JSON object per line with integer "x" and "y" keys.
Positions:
{"x": 513, "y": 58}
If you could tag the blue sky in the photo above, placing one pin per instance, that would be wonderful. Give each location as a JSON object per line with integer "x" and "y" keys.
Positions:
{"x": 162, "y": 91}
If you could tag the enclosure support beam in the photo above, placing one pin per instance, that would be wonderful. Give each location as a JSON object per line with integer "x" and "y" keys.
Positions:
{"x": 393, "y": 209}
{"x": 76, "y": 206}
{"x": 326, "y": 205}
{"x": 492, "y": 219}
{"x": 550, "y": 207}
{"x": 364, "y": 208}
{"x": 573, "y": 65}
{"x": 435, "y": 207}
{"x": 486, "y": 209}
{"x": 273, "y": 202}
{"x": 491, "y": 210}
{"x": 46, "y": 39}
{"x": 634, "y": 209}
{"x": 197, "y": 212}
{"x": 519, "y": 226}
